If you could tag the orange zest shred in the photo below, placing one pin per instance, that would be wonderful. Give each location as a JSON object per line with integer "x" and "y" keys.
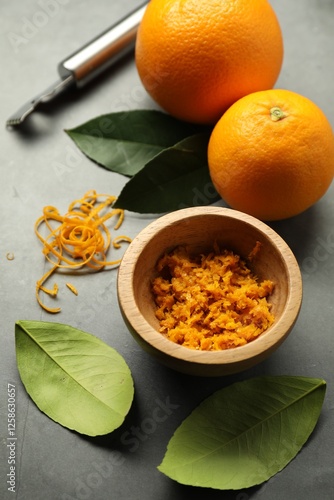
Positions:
{"x": 78, "y": 239}
{"x": 72, "y": 288}
{"x": 210, "y": 302}
{"x": 255, "y": 251}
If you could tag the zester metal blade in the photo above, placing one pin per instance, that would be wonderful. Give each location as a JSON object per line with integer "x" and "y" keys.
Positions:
{"x": 48, "y": 94}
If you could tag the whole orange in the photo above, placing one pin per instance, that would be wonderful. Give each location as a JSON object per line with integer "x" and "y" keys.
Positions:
{"x": 196, "y": 57}
{"x": 272, "y": 154}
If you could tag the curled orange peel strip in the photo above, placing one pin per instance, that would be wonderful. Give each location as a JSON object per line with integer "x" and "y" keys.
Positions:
{"x": 78, "y": 239}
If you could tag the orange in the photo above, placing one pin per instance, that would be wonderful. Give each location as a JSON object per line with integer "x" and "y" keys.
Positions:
{"x": 271, "y": 154}
{"x": 196, "y": 57}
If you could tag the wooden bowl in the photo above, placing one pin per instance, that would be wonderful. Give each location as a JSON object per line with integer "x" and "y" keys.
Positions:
{"x": 200, "y": 227}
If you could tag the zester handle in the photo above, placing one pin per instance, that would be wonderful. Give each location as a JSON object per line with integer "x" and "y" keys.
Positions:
{"x": 99, "y": 54}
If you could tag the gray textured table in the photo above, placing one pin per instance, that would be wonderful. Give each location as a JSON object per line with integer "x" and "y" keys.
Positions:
{"x": 40, "y": 166}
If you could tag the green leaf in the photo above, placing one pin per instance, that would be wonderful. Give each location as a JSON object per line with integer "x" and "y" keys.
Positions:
{"x": 125, "y": 141}
{"x": 245, "y": 433}
{"x": 176, "y": 178}
{"x": 73, "y": 377}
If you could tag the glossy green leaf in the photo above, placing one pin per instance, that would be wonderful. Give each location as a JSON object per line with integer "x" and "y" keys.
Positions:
{"x": 125, "y": 141}
{"x": 73, "y": 377}
{"x": 245, "y": 433}
{"x": 178, "y": 177}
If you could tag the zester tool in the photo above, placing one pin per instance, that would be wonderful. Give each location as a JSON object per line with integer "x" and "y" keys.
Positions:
{"x": 86, "y": 63}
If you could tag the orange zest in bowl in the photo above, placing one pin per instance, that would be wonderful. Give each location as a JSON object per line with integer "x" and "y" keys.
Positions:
{"x": 210, "y": 302}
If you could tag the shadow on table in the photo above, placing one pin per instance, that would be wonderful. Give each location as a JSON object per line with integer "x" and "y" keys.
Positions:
{"x": 299, "y": 231}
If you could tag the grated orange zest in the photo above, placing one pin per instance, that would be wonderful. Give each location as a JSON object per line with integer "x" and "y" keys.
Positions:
{"x": 210, "y": 302}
